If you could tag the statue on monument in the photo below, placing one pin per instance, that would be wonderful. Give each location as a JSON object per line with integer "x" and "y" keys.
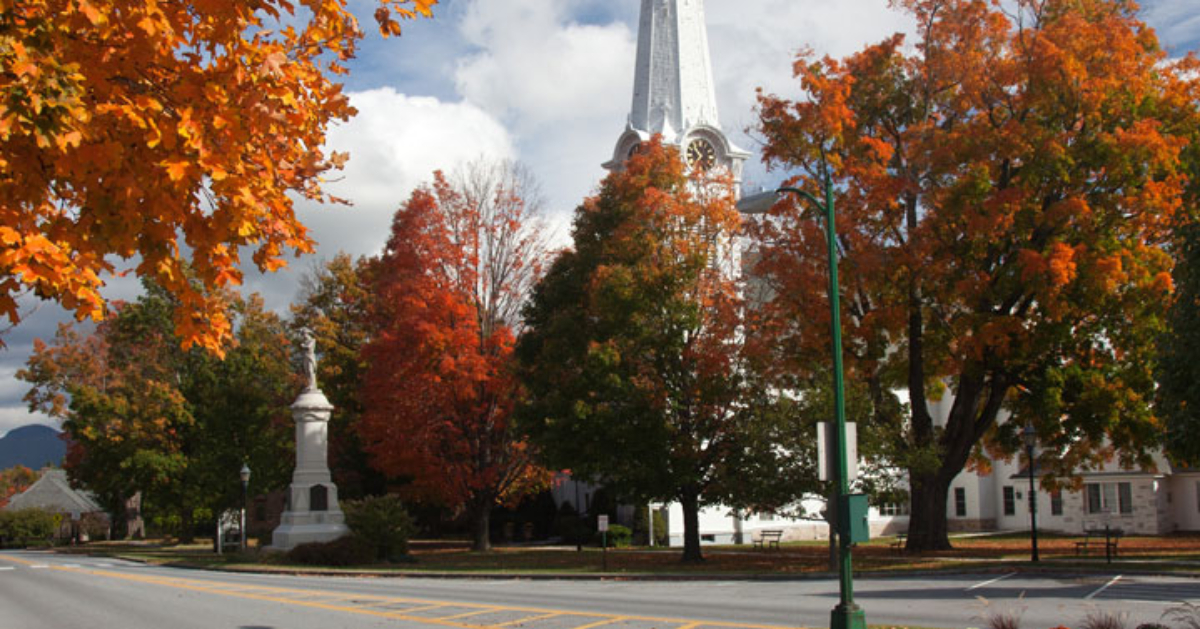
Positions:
{"x": 309, "y": 345}
{"x": 312, "y": 514}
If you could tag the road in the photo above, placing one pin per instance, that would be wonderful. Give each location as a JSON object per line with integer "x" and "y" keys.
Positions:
{"x": 46, "y": 591}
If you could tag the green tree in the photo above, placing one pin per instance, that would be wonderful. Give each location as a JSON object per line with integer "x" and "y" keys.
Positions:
{"x": 631, "y": 352}
{"x": 1178, "y": 371}
{"x": 142, "y": 414}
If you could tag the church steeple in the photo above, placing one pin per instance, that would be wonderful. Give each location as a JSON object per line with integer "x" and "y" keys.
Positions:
{"x": 673, "y": 92}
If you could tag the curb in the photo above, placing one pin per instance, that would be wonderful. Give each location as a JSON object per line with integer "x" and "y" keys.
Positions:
{"x": 1044, "y": 571}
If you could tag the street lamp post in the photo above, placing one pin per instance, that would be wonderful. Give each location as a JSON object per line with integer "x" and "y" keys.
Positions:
{"x": 1030, "y": 437}
{"x": 245, "y": 476}
{"x": 847, "y": 614}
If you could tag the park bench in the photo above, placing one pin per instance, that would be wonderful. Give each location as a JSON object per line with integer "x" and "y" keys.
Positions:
{"x": 899, "y": 542}
{"x": 1105, "y": 539}
{"x": 768, "y": 539}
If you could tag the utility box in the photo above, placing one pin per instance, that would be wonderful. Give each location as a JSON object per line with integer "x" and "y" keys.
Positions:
{"x": 852, "y": 519}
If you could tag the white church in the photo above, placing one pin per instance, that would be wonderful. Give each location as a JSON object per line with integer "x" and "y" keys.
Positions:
{"x": 673, "y": 95}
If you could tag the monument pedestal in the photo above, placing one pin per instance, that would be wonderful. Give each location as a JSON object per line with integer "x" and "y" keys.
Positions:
{"x": 312, "y": 513}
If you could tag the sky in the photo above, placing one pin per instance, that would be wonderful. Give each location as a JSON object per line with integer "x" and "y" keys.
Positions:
{"x": 545, "y": 82}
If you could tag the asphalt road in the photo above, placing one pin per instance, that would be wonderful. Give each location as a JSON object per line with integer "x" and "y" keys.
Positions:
{"x": 47, "y": 591}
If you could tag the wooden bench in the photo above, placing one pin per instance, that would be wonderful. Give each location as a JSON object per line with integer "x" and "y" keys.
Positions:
{"x": 899, "y": 543}
{"x": 768, "y": 539}
{"x": 1101, "y": 538}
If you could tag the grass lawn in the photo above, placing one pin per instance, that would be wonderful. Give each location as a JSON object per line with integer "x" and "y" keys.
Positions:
{"x": 976, "y": 552}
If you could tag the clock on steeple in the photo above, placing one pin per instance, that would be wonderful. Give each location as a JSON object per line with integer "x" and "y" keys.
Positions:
{"x": 673, "y": 90}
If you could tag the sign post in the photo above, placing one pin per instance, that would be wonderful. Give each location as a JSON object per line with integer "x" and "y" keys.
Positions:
{"x": 602, "y": 525}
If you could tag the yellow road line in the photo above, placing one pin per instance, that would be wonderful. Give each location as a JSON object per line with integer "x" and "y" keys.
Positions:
{"x": 478, "y": 612}
{"x": 279, "y": 595}
{"x": 607, "y": 621}
{"x": 423, "y": 608}
{"x": 24, "y": 562}
{"x": 527, "y": 619}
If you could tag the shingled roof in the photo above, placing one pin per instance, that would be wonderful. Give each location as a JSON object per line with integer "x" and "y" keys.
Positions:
{"x": 53, "y": 492}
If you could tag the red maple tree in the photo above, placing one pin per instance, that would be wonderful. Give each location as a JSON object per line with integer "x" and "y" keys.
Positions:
{"x": 438, "y": 393}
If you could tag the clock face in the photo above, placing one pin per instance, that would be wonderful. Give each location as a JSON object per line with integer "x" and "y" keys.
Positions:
{"x": 701, "y": 154}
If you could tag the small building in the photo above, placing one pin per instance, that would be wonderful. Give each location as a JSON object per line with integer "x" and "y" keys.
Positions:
{"x": 83, "y": 517}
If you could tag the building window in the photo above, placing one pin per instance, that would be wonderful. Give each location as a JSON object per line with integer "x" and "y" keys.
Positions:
{"x": 1198, "y": 496}
{"x": 893, "y": 508}
{"x": 1056, "y": 502}
{"x": 1010, "y": 501}
{"x": 1109, "y": 498}
{"x": 766, "y": 516}
{"x": 960, "y": 502}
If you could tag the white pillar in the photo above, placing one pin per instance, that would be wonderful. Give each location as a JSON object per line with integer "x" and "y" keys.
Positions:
{"x": 303, "y": 521}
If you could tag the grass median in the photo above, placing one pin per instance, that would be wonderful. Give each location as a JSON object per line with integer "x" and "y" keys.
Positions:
{"x": 1179, "y": 553}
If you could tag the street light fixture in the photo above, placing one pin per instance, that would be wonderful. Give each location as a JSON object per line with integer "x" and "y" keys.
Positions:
{"x": 1030, "y": 437}
{"x": 847, "y": 614}
{"x": 245, "y": 476}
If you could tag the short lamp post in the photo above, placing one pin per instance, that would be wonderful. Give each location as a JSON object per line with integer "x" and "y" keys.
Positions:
{"x": 847, "y": 614}
{"x": 245, "y": 476}
{"x": 1030, "y": 437}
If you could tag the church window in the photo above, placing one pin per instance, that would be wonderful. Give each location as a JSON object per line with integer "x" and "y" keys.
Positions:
{"x": 960, "y": 502}
{"x": 1056, "y": 503}
{"x": 893, "y": 508}
{"x": 1109, "y": 498}
{"x": 1010, "y": 501}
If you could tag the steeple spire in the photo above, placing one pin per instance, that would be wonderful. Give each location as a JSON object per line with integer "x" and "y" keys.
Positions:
{"x": 673, "y": 89}
{"x": 673, "y": 85}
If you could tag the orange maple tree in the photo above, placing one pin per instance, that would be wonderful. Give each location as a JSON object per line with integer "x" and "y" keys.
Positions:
{"x": 167, "y": 132}
{"x": 15, "y": 480}
{"x": 439, "y": 389}
{"x": 1005, "y": 191}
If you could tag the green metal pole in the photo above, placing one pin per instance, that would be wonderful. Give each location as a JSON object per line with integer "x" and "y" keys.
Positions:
{"x": 847, "y": 615}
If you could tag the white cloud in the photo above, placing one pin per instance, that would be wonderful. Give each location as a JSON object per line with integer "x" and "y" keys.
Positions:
{"x": 395, "y": 143}
{"x": 538, "y": 66}
{"x": 16, "y": 415}
{"x": 1177, "y": 23}
{"x": 563, "y": 87}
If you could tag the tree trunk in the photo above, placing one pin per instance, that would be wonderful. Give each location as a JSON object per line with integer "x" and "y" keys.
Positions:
{"x": 927, "y": 526}
{"x": 187, "y": 526}
{"x": 689, "y": 499}
{"x": 482, "y": 522}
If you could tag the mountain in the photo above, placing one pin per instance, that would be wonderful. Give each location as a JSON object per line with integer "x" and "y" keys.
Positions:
{"x": 32, "y": 446}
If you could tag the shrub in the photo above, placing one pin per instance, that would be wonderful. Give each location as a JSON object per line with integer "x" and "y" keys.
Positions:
{"x": 28, "y": 526}
{"x": 1001, "y": 617}
{"x": 382, "y": 523}
{"x": 618, "y": 536}
{"x": 349, "y": 550}
{"x": 1184, "y": 615}
{"x": 1100, "y": 619}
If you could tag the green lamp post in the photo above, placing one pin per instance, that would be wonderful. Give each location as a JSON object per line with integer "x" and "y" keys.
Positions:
{"x": 851, "y": 508}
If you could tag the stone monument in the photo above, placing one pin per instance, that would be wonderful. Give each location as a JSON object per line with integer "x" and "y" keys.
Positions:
{"x": 312, "y": 513}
